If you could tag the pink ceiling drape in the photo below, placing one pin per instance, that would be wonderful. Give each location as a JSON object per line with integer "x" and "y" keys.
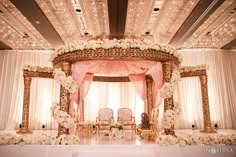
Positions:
{"x": 139, "y": 83}
{"x": 157, "y": 75}
{"x": 82, "y": 73}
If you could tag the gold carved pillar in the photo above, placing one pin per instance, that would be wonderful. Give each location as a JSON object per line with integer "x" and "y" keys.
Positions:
{"x": 167, "y": 68}
{"x": 64, "y": 98}
{"x": 149, "y": 82}
{"x": 205, "y": 106}
{"x": 26, "y": 102}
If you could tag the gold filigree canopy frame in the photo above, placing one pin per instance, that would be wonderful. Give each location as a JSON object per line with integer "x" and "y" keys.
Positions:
{"x": 123, "y": 54}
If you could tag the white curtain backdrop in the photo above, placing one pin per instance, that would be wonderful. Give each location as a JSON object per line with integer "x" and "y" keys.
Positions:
{"x": 221, "y": 89}
{"x": 43, "y": 91}
{"x": 114, "y": 96}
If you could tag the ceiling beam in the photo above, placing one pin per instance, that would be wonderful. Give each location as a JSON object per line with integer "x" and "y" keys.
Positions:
{"x": 197, "y": 17}
{"x": 4, "y": 46}
{"x": 31, "y": 10}
{"x": 117, "y": 10}
{"x": 230, "y": 45}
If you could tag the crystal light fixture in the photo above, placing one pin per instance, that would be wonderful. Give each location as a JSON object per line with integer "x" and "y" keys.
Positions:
{"x": 61, "y": 17}
{"x": 217, "y": 31}
{"x": 96, "y": 15}
{"x": 138, "y": 13}
{"x": 171, "y": 17}
{"x": 17, "y": 32}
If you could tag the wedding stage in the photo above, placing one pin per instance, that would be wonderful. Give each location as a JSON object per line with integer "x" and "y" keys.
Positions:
{"x": 104, "y": 146}
{"x": 125, "y": 150}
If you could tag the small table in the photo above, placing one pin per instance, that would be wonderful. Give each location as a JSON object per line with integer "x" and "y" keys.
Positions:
{"x": 147, "y": 134}
{"x": 84, "y": 127}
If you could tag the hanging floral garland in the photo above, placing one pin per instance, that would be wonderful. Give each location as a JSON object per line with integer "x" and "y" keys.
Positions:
{"x": 62, "y": 117}
{"x": 66, "y": 81}
{"x": 170, "y": 115}
{"x": 115, "y": 43}
{"x": 167, "y": 90}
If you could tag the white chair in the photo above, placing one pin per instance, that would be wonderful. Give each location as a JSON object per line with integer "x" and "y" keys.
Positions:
{"x": 104, "y": 120}
{"x": 125, "y": 118}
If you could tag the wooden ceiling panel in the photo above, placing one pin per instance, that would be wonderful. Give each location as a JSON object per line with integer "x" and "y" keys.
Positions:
{"x": 117, "y": 10}
{"x": 4, "y": 46}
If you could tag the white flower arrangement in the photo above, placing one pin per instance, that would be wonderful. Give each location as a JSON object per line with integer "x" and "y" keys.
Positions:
{"x": 15, "y": 139}
{"x": 114, "y": 43}
{"x": 194, "y": 68}
{"x": 67, "y": 82}
{"x": 170, "y": 115}
{"x": 165, "y": 140}
{"x": 62, "y": 117}
{"x": 167, "y": 90}
{"x": 184, "y": 140}
{"x": 37, "y": 69}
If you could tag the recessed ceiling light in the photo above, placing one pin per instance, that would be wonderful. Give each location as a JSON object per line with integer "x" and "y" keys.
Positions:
{"x": 37, "y": 22}
{"x": 25, "y": 35}
{"x": 78, "y": 10}
{"x": 156, "y": 9}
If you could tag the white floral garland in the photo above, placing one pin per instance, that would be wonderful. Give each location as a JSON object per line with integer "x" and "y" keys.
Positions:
{"x": 114, "y": 43}
{"x": 62, "y": 117}
{"x": 37, "y": 68}
{"x": 14, "y": 139}
{"x": 170, "y": 115}
{"x": 183, "y": 140}
{"x": 67, "y": 82}
{"x": 167, "y": 90}
{"x": 163, "y": 140}
{"x": 194, "y": 68}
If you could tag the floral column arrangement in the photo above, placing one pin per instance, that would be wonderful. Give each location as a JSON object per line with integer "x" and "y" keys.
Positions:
{"x": 64, "y": 98}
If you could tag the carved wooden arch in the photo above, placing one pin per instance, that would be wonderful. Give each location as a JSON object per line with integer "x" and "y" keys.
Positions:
{"x": 202, "y": 74}
{"x": 28, "y": 75}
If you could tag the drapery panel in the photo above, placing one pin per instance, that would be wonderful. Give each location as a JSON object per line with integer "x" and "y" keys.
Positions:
{"x": 221, "y": 89}
{"x": 136, "y": 70}
{"x": 43, "y": 91}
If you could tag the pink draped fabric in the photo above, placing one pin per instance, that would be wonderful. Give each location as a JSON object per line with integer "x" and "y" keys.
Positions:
{"x": 114, "y": 67}
{"x": 82, "y": 91}
{"x": 84, "y": 88}
{"x": 139, "y": 83}
{"x": 136, "y": 71}
{"x": 79, "y": 71}
{"x": 157, "y": 75}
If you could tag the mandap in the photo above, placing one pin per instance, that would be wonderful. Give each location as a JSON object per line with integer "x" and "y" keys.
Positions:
{"x": 152, "y": 68}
